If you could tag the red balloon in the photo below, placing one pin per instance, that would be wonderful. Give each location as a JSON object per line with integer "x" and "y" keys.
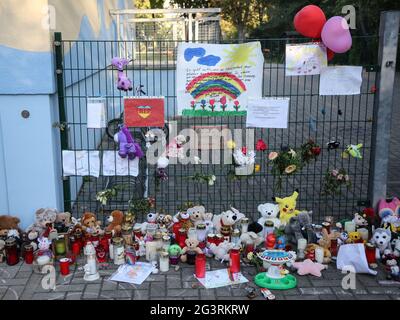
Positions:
{"x": 309, "y": 21}
{"x": 330, "y": 53}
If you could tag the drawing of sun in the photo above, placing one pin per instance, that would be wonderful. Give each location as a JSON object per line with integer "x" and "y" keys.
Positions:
{"x": 241, "y": 55}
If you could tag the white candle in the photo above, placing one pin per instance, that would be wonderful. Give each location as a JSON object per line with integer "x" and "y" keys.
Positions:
{"x": 164, "y": 262}
{"x": 151, "y": 251}
{"x": 349, "y": 226}
{"x": 319, "y": 255}
{"x": 364, "y": 233}
{"x": 301, "y": 246}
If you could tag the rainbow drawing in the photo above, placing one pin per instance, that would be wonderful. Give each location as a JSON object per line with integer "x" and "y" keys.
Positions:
{"x": 219, "y": 83}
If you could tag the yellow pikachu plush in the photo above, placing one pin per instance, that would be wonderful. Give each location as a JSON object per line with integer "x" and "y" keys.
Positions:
{"x": 287, "y": 207}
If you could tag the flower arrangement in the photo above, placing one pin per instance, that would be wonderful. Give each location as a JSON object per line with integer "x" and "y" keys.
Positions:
{"x": 334, "y": 180}
{"x": 255, "y": 260}
{"x": 203, "y": 178}
{"x": 141, "y": 206}
{"x": 310, "y": 151}
{"x": 290, "y": 160}
{"x": 105, "y": 195}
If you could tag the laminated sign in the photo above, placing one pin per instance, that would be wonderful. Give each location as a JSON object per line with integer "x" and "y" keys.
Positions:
{"x": 144, "y": 111}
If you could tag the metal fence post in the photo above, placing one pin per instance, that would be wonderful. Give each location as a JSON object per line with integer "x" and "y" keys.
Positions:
{"x": 388, "y": 41}
{"x": 58, "y": 45}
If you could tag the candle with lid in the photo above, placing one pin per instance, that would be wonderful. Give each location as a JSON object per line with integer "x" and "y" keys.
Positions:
{"x": 118, "y": 251}
{"x": 268, "y": 228}
{"x": 244, "y": 223}
{"x": 164, "y": 261}
{"x": 127, "y": 233}
{"x": 349, "y": 226}
{"x": 28, "y": 254}
{"x": 151, "y": 251}
{"x": 11, "y": 249}
{"x": 60, "y": 246}
{"x": 192, "y": 233}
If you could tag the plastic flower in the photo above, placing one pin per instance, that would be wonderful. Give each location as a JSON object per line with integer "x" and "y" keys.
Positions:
{"x": 339, "y": 177}
{"x": 346, "y": 177}
{"x": 290, "y": 169}
{"x": 231, "y": 144}
{"x": 213, "y": 178}
{"x": 273, "y": 155}
{"x": 250, "y": 255}
{"x": 292, "y": 153}
{"x": 335, "y": 172}
{"x": 210, "y": 182}
{"x": 257, "y": 168}
{"x": 261, "y": 145}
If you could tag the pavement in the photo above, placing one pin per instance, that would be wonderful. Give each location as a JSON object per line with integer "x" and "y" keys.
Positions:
{"x": 21, "y": 283}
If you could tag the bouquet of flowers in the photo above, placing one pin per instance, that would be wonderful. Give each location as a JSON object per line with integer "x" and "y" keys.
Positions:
{"x": 334, "y": 180}
{"x": 284, "y": 163}
{"x": 310, "y": 151}
{"x": 203, "y": 178}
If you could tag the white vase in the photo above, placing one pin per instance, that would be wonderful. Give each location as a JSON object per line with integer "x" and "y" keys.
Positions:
{"x": 244, "y": 170}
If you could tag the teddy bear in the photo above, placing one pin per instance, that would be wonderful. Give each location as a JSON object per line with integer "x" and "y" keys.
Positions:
{"x": 90, "y": 225}
{"x": 115, "y": 221}
{"x": 225, "y": 221}
{"x": 150, "y": 219}
{"x": 325, "y": 243}
{"x": 221, "y": 252}
{"x": 355, "y": 237}
{"x": 8, "y": 223}
{"x": 310, "y": 251}
{"x": 196, "y": 214}
{"x": 44, "y": 247}
{"x": 183, "y": 218}
{"x": 253, "y": 235}
{"x": 269, "y": 212}
{"x": 164, "y": 221}
{"x": 287, "y": 207}
{"x": 192, "y": 246}
{"x": 43, "y": 225}
{"x": 207, "y": 221}
{"x": 63, "y": 222}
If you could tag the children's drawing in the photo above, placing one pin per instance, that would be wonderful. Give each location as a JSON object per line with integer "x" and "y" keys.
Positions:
{"x": 218, "y": 80}
{"x": 305, "y": 59}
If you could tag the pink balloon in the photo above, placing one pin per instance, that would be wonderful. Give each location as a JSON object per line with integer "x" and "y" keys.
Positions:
{"x": 336, "y": 35}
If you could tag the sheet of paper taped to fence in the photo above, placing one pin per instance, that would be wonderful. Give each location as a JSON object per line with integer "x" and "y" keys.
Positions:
{"x": 268, "y": 113}
{"x": 340, "y": 80}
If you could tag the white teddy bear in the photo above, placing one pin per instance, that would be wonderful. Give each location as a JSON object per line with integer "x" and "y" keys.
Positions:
{"x": 269, "y": 212}
{"x": 221, "y": 251}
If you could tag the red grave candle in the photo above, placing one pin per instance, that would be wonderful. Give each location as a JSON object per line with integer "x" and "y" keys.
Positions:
{"x": 182, "y": 238}
{"x": 200, "y": 265}
{"x": 370, "y": 252}
{"x": 28, "y": 254}
{"x": 12, "y": 257}
{"x": 64, "y": 266}
{"x": 234, "y": 263}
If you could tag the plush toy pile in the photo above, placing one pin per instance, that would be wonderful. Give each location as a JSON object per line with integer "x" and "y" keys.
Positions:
{"x": 55, "y": 236}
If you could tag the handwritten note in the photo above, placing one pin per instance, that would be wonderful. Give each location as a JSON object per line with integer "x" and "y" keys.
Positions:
{"x": 305, "y": 59}
{"x": 96, "y": 113}
{"x": 340, "y": 80}
{"x": 268, "y": 113}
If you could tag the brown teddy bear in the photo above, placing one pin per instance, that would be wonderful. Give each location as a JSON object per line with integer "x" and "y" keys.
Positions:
{"x": 43, "y": 225}
{"x": 192, "y": 246}
{"x": 115, "y": 221}
{"x": 8, "y": 223}
{"x": 63, "y": 222}
{"x": 90, "y": 224}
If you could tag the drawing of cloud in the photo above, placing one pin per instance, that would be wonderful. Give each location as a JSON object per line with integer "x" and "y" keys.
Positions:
{"x": 209, "y": 60}
{"x": 194, "y": 52}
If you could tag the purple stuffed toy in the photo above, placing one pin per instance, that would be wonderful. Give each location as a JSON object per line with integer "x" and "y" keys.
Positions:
{"x": 124, "y": 83}
{"x": 127, "y": 146}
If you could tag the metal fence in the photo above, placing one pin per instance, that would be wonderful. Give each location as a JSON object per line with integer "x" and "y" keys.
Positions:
{"x": 84, "y": 71}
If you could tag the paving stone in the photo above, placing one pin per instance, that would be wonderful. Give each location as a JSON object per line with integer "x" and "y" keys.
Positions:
{"x": 71, "y": 287}
{"x": 24, "y": 274}
{"x": 142, "y": 295}
{"x": 315, "y": 291}
{"x": 156, "y": 277}
{"x": 224, "y": 291}
{"x": 73, "y": 295}
{"x": 183, "y": 292}
{"x": 383, "y": 290}
{"x": 116, "y": 294}
{"x": 302, "y": 297}
{"x": 49, "y": 296}
{"x": 13, "y": 293}
{"x": 290, "y": 292}
{"x": 372, "y": 297}
{"x": 14, "y": 282}
{"x": 207, "y": 294}
{"x": 109, "y": 285}
{"x": 157, "y": 289}
{"x": 91, "y": 291}
{"x": 327, "y": 297}
{"x": 325, "y": 283}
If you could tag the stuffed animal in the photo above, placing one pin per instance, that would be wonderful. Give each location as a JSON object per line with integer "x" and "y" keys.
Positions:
{"x": 221, "y": 252}
{"x": 44, "y": 224}
{"x": 360, "y": 220}
{"x": 115, "y": 221}
{"x": 225, "y": 221}
{"x": 150, "y": 219}
{"x": 381, "y": 239}
{"x": 63, "y": 222}
{"x": 343, "y": 238}
{"x": 161, "y": 171}
{"x": 310, "y": 252}
{"x": 127, "y": 146}
{"x": 192, "y": 246}
{"x": 2, "y": 250}
{"x": 183, "y": 218}
{"x": 8, "y": 223}
{"x": 353, "y": 150}
{"x": 164, "y": 221}
{"x": 287, "y": 207}
{"x": 124, "y": 83}
{"x": 269, "y": 212}
{"x": 129, "y": 218}
{"x": 355, "y": 237}
{"x": 44, "y": 247}
{"x": 396, "y": 249}
{"x": 325, "y": 243}
{"x": 90, "y": 225}
{"x": 280, "y": 243}
{"x": 300, "y": 227}
{"x": 207, "y": 220}
{"x": 252, "y": 235}
{"x": 196, "y": 214}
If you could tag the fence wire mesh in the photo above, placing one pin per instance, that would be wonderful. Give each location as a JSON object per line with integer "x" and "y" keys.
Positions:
{"x": 86, "y": 72}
